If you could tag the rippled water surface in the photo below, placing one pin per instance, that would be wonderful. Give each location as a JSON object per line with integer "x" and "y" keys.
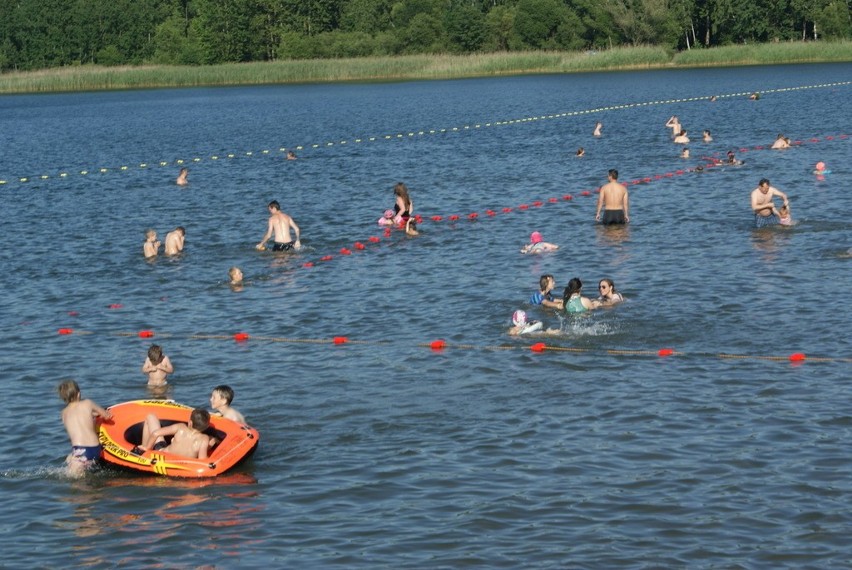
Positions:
{"x": 379, "y": 451}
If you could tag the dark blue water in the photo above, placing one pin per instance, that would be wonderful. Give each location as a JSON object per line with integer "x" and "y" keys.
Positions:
{"x": 381, "y": 452}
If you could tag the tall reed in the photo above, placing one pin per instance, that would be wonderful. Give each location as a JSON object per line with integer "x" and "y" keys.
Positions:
{"x": 91, "y": 78}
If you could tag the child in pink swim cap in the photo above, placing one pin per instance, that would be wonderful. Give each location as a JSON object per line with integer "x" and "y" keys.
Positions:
{"x": 820, "y": 168}
{"x": 387, "y": 218}
{"x": 538, "y": 245}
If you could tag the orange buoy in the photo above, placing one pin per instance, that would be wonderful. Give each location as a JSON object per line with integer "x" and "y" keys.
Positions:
{"x": 240, "y": 337}
{"x": 438, "y": 344}
{"x": 538, "y": 347}
{"x": 146, "y": 334}
{"x": 340, "y": 340}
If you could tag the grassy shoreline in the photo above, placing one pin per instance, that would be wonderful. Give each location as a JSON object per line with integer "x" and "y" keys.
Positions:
{"x": 415, "y": 67}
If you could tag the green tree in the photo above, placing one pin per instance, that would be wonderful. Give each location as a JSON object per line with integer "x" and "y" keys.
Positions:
{"x": 537, "y": 21}
{"x": 833, "y": 22}
{"x": 177, "y": 41}
{"x": 465, "y": 26}
{"x": 368, "y": 16}
{"x": 500, "y": 26}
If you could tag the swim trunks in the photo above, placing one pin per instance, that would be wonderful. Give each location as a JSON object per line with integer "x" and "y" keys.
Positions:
{"x": 538, "y": 297}
{"x": 160, "y": 445}
{"x": 278, "y": 246}
{"x": 575, "y": 305}
{"x": 86, "y": 454}
{"x": 613, "y": 217}
{"x": 765, "y": 221}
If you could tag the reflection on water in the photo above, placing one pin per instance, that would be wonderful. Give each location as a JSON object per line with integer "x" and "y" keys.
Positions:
{"x": 117, "y": 505}
{"x": 769, "y": 241}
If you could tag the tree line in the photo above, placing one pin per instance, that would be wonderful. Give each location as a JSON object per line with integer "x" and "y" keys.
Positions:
{"x": 38, "y": 34}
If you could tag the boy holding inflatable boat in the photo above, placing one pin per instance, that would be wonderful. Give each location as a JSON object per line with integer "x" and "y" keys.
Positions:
{"x": 79, "y": 420}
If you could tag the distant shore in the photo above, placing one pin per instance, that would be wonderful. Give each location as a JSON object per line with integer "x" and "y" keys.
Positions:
{"x": 415, "y": 67}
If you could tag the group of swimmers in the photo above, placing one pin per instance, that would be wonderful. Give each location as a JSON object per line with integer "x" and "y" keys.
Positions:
{"x": 174, "y": 242}
{"x": 189, "y": 440}
{"x": 572, "y": 302}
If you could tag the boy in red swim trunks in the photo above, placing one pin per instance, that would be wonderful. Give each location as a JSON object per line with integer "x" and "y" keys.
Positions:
{"x": 78, "y": 417}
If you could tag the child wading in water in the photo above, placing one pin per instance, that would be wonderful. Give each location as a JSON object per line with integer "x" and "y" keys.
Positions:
{"x": 79, "y": 420}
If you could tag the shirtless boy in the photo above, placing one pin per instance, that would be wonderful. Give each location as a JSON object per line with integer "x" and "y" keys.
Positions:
{"x": 279, "y": 225}
{"x": 78, "y": 417}
{"x": 157, "y": 366}
{"x": 674, "y": 124}
{"x": 181, "y": 179}
{"x": 220, "y": 401}
{"x": 764, "y": 210}
{"x": 174, "y": 240}
{"x": 151, "y": 246}
{"x": 187, "y": 439}
{"x": 613, "y": 199}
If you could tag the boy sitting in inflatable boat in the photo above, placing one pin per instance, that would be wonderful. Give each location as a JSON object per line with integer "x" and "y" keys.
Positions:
{"x": 187, "y": 439}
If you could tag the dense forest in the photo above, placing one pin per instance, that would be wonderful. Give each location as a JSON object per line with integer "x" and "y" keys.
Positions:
{"x": 37, "y": 34}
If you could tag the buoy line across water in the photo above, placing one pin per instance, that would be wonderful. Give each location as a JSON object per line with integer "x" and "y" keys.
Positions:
{"x": 408, "y": 134}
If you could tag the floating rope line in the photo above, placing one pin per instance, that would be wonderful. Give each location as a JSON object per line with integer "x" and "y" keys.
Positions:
{"x": 441, "y": 345}
{"x": 493, "y": 213}
{"x": 411, "y": 134}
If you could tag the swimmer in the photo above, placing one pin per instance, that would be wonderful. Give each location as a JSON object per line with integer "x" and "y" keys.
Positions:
{"x": 732, "y": 159}
{"x": 681, "y": 138}
{"x": 220, "y": 401}
{"x": 386, "y": 219}
{"x": 674, "y": 124}
{"x": 157, "y": 366}
{"x": 764, "y": 210}
{"x": 608, "y": 295}
{"x": 573, "y": 301}
{"x": 613, "y": 199}
{"x": 754, "y": 96}
{"x": 521, "y": 326}
{"x": 538, "y": 245}
{"x": 291, "y": 155}
{"x": 411, "y": 227}
{"x": 79, "y": 420}
{"x": 182, "y": 175}
{"x": 706, "y": 136}
{"x": 151, "y": 247}
{"x": 684, "y": 153}
{"x": 403, "y": 207}
{"x": 820, "y": 169}
{"x": 712, "y": 98}
{"x": 781, "y": 142}
{"x": 543, "y": 296}
{"x": 784, "y": 217}
{"x": 581, "y": 152}
{"x": 280, "y": 224}
{"x": 598, "y": 127}
{"x": 235, "y": 275}
{"x": 175, "y": 240}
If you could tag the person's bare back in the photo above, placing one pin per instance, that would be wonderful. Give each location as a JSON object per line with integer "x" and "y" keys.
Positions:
{"x": 78, "y": 418}
{"x": 279, "y": 226}
{"x": 175, "y": 241}
{"x": 189, "y": 443}
{"x": 613, "y": 197}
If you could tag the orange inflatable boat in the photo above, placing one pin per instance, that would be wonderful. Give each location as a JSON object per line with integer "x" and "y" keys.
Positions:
{"x": 120, "y": 436}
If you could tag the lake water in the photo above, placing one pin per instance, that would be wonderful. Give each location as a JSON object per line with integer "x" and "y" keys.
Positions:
{"x": 380, "y": 452}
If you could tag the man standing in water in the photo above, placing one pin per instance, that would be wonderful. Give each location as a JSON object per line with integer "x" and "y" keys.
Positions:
{"x": 280, "y": 224}
{"x": 175, "y": 240}
{"x": 762, "y": 205}
{"x": 612, "y": 197}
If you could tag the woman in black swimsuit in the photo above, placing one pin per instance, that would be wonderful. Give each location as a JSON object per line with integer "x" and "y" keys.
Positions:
{"x": 403, "y": 207}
